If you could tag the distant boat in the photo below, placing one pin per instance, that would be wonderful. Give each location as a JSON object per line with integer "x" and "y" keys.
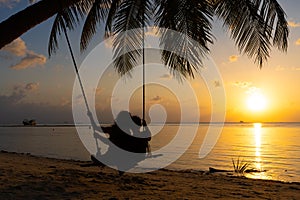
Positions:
{"x": 27, "y": 122}
{"x": 241, "y": 121}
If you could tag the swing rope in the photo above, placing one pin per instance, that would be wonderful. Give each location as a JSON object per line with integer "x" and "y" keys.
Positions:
{"x": 81, "y": 85}
{"x": 143, "y": 53}
{"x": 76, "y": 69}
{"x": 79, "y": 79}
{"x": 80, "y": 82}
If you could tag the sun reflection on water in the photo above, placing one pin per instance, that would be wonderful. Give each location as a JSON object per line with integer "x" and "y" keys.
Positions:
{"x": 257, "y": 135}
{"x": 258, "y": 161}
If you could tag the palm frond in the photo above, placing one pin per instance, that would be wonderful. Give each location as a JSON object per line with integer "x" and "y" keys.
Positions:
{"x": 127, "y": 50}
{"x": 254, "y": 24}
{"x": 97, "y": 13}
{"x": 114, "y": 7}
{"x": 127, "y": 61}
{"x": 281, "y": 30}
{"x": 132, "y": 15}
{"x": 192, "y": 19}
{"x": 180, "y": 54}
{"x": 68, "y": 18}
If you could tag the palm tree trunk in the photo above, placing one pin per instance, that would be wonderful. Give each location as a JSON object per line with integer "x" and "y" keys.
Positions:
{"x": 21, "y": 22}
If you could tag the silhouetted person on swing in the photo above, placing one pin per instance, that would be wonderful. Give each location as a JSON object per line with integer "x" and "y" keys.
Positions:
{"x": 125, "y": 134}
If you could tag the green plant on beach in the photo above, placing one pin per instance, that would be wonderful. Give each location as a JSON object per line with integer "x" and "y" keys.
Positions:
{"x": 240, "y": 166}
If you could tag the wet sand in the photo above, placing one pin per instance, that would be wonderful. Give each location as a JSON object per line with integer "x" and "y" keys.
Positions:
{"x": 29, "y": 177}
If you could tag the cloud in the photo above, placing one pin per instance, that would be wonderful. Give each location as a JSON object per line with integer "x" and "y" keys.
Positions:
{"x": 156, "y": 99}
{"x": 217, "y": 83}
{"x": 291, "y": 68}
{"x": 8, "y": 3}
{"x": 280, "y": 68}
{"x": 16, "y": 47}
{"x": 166, "y": 76}
{"x": 65, "y": 102}
{"x": 32, "y": 86}
{"x": 294, "y": 24}
{"x": 16, "y": 96}
{"x": 29, "y": 61}
{"x": 29, "y": 58}
{"x": 29, "y": 87}
{"x": 104, "y": 5}
{"x": 109, "y": 42}
{"x": 253, "y": 90}
{"x": 15, "y": 107}
{"x": 99, "y": 90}
{"x": 14, "y": 110}
{"x": 152, "y": 31}
{"x": 297, "y": 42}
{"x": 233, "y": 58}
{"x": 242, "y": 84}
{"x": 19, "y": 92}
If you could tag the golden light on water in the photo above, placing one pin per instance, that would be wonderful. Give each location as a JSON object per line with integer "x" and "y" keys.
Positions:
{"x": 257, "y": 132}
{"x": 257, "y": 135}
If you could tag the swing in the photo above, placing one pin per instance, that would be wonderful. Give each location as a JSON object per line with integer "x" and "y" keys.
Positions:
{"x": 106, "y": 130}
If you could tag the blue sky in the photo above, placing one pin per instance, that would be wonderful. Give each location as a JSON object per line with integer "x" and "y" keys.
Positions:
{"x": 32, "y": 85}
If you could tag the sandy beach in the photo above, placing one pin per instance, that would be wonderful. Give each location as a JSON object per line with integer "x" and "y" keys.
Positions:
{"x": 29, "y": 177}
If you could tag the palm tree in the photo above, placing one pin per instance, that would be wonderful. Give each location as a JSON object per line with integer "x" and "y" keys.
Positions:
{"x": 19, "y": 23}
{"x": 255, "y": 25}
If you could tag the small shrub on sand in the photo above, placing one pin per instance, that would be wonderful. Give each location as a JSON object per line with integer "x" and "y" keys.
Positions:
{"x": 240, "y": 166}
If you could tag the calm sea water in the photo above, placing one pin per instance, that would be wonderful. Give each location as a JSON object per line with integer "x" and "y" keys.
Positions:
{"x": 273, "y": 147}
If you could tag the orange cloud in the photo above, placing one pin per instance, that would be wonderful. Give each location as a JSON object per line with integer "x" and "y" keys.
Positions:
{"x": 217, "y": 83}
{"x": 293, "y": 24}
{"x": 65, "y": 102}
{"x": 99, "y": 91}
{"x": 109, "y": 42}
{"x": 156, "y": 99}
{"x": 166, "y": 76}
{"x": 32, "y": 86}
{"x": 297, "y": 42}
{"x": 233, "y": 58}
{"x": 152, "y": 31}
{"x": 242, "y": 84}
{"x": 30, "y": 60}
{"x": 16, "y": 47}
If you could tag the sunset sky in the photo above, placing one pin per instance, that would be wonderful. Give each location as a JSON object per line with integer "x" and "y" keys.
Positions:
{"x": 32, "y": 85}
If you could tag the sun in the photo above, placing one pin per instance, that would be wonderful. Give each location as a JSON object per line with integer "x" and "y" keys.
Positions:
{"x": 256, "y": 101}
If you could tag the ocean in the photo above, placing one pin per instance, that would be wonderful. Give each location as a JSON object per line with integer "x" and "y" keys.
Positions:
{"x": 273, "y": 148}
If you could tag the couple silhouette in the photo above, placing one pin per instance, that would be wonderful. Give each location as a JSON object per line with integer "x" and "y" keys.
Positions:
{"x": 128, "y": 142}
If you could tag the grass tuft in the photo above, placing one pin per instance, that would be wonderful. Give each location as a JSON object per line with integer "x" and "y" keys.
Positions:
{"x": 240, "y": 166}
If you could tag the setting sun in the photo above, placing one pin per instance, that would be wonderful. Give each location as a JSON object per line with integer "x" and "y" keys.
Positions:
{"x": 256, "y": 101}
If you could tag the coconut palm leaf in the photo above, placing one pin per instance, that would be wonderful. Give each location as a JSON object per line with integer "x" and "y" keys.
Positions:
{"x": 132, "y": 15}
{"x": 192, "y": 19}
{"x": 110, "y": 16}
{"x": 97, "y": 13}
{"x": 67, "y": 18}
{"x": 281, "y": 31}
{"x": 254, "y": 24}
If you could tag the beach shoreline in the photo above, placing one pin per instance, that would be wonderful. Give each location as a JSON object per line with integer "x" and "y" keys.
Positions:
{"x": 24, "y": 176}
